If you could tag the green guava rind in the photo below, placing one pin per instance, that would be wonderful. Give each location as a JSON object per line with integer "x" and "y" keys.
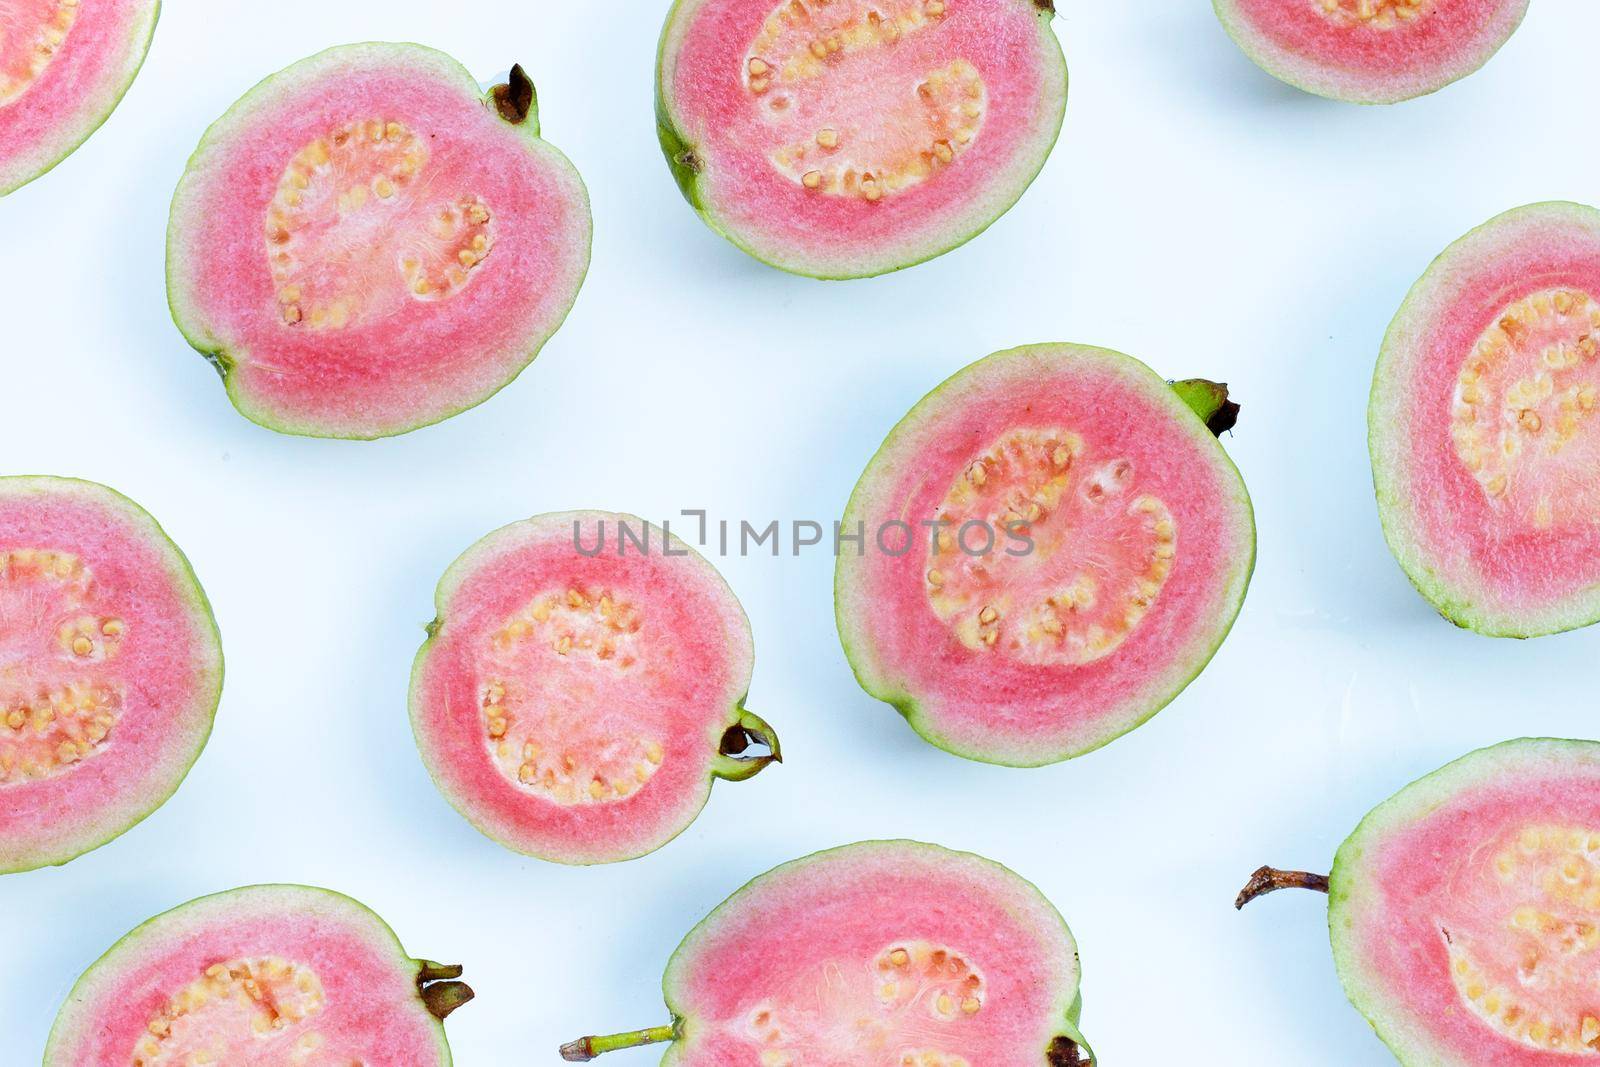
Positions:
{"x": 100, "y": 983}
{"x": 1467, "y": 604}
{"x": 1353, "y": 888}
{"x": 1325, "y": 79}
{"x": 853, "y": 620}
{"x": 495, "y": 808}
{"x": 685, "y": 166}
{"x": 110, "y": 824}
{"x": 33, "y": 165}
{"x": 1069, "y": 1001}
{"x": 192, "y": 325}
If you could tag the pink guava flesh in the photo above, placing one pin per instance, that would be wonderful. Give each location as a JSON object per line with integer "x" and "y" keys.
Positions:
{"x": 1465, "y": 911}
{"x": 1371, "y": 51}
{"x": 365, "y": 244}
{"x": 64, "y": 67}
{"x": 259, "y": 977}
{"x": 1485, "y": 425}
{"x": 842, "y": 138}
{"x": 575, "y": 694}
{"x": 880, "y": 954}
{"x": 110, "y": 668}
{"x": 1140, "y": 542}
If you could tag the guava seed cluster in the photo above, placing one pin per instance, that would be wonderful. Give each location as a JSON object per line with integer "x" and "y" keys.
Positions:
{"x": 1101, "y": 551}
{"x": 354, "y": 230}
{"x": 1524, "y": 407}
{"x": 240, "y": 1013}
{"x": 31, "y": 35}
{"x": 54, "y": 717}
{"x": 1378, "y": 14}
{"x": 1523, "y": 962}
{"x": 892, "y": 1008}
{"x": 544, "y": 666}
{"x": 856, "y": 106}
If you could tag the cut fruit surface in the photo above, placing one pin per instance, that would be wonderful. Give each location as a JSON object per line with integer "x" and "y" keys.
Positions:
{"x": 880, "y": 954}
{"x": 266, "y": 976}
{"x": 1465, "y": 911}
{"x": 110, "y": 668}
{"x": 1485, "y": 425}
{"x": 1054, "y": 545}
{"x": 583, "y": 686}
{"x": 841, "y": 138}
{"x": 1370, "y": 51}
{"x": 64, "y": 67}
{"x": 366, "y": 243}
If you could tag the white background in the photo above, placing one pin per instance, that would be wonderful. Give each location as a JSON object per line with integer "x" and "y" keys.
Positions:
{"x": 1196, "y": 214}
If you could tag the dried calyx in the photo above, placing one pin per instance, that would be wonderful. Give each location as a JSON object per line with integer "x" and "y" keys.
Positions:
{"x": 515, "y": 99}
{"x": 440, "y": 990}
{"x": 747, "y": 748}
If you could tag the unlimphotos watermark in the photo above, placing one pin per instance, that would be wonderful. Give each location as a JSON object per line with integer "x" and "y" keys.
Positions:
{"x": 776, "y": 537}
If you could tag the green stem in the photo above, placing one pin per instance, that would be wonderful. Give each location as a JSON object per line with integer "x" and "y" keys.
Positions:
{"x": 587, "y": 1048}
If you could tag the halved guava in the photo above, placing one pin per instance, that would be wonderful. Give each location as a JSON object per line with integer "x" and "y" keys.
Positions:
{"x": 64, "y": 67}
{"x": 1052, "y": 546}
{"x": 110, "y": 668}
{"x": 265, "y": 976}
{"x": 583, "y": 685}
{"x": 878, "y": 954}
{"x": 1370, "y": 51}
{"x": 846, "y": 138}
{"x": 367, "y": 242}
{"x": 1484, "y": 425}
{"x": 1465, "y": 910}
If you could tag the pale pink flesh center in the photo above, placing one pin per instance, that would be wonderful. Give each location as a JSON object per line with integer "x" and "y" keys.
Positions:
{"x": 59, "y": 699}
{"x": 895, "y": 1010}
{"x": 31, "y": 34}
{"x": 560, "y": 680}
{"x": 1525, "y": 955}
{"x": 1101, "y": 551}
{"x": 1524, "y": 413}
{"x": 846, "y": 114}
{"x": 242, "y": 1013}
{"x": 356, "y": 230}
{"x": 1374, "y": 14}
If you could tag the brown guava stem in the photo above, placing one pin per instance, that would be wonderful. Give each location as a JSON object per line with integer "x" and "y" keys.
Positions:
{"x": 442, "y": 998}
{"x": 587, "y": 1048}
{"x": 1270, "y": 880}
